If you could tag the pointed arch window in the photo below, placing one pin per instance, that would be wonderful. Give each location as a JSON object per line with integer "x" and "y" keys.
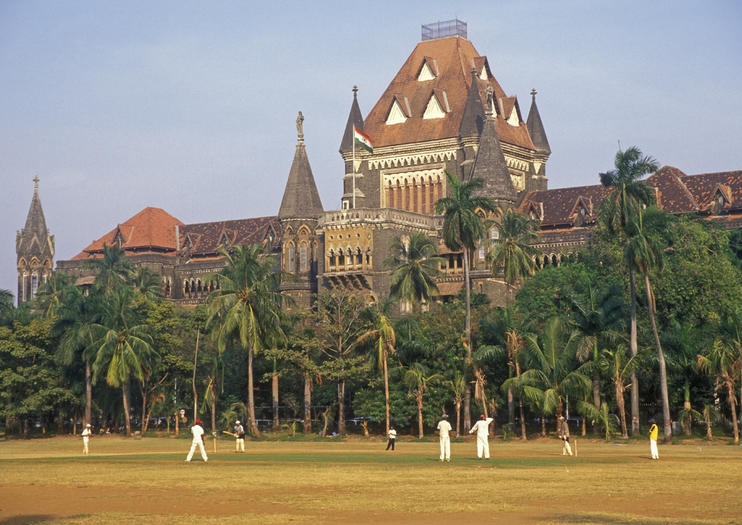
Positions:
{"x": 303, "y": 259}
{"x": 290, "y": 262}
{"x": 34, "y": 284}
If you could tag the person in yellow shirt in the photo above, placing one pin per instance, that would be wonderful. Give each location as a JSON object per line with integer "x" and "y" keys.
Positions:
{"x": 653, "y": 431}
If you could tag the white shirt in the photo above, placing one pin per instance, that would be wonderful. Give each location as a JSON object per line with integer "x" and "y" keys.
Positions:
{"x": 444, "y": 427}
{"x": 392, "y": 433}
{"x": 482, "y": 427}
{"x": 86, "y": 432}
{"x": 198, "y": 432}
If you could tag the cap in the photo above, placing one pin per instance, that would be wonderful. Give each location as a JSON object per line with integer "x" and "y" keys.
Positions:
{"x": 445, "y": 416}
{"x": 88, "y": 425}
{"x": 561, "y": 417}
{"x": 652, "y": 421}
{"x": 237, "y": 422}
{"x": 198, "y": 421}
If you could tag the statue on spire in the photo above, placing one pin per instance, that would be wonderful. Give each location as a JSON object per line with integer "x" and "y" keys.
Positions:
{"x": 300, "y": 127}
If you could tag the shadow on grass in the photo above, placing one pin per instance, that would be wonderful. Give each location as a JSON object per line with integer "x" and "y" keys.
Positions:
{"x": 26, "y": 518}
{"x": 603, "y": 518}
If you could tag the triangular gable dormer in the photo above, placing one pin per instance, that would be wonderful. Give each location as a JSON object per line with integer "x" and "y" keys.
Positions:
{"x": 224, "y": 240}
{"x": 721, "y": 199}
{"x": 514, "y": 118}
{"x": 582, "y": 211}
{"x": 399, "y": 112}
{"x": 429, "y": 70}
{"x": 270, "y": 236}
{"x": 535, "y": 211}
{"x": 118, "y": 237}
{"x": 481, "y": 65}
{"x": 437, "y": 105}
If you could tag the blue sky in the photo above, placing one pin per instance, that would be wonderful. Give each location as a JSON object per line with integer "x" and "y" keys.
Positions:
{"x": 191, "y": 106}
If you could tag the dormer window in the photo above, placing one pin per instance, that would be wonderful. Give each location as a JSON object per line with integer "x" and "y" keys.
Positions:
{"x": 399, "y": 112}
{"x": 429, "y": 70}
{"x": 437, "y": 105}
{"x": 513, "y": 119}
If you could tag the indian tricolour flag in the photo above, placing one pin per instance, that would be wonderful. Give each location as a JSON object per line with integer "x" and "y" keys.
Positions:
{"x": 362, "y": 140}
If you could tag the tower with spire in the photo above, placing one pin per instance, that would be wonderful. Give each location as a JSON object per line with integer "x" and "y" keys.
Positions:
{"x": 300, "y": 211}
{"x": 346, "y": 151}
{"x": 34, "y": 249}
{"x": 538, "y": 136}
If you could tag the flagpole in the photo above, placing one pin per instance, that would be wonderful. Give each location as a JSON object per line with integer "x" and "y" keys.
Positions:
{"x": 353, "y": 167}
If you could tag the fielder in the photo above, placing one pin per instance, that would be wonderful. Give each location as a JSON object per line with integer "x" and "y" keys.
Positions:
{"x": 564, "y": 436}
{"x": 239, "y": 434}
{"x": 653, "y": 432}
{"x": 392, "y": 438}
{"x": 444, "y": 427}
{"x": 482, "y": 428}
{"x": 198, "y": 441}
{"x": 86, "y": 438}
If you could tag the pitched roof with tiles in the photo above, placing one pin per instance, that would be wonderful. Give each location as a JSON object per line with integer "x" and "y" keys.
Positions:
{"x": 150, "y": 230}
{"x": 207, "y": 237}
{"x": 454, "y": 58}
{"x": 706, "y": 186}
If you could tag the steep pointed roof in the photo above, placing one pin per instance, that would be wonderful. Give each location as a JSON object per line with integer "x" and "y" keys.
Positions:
{"x": 354, "y": 119}
{"x": 150, "y": 230}
{"x": 536, "y": 127}
{"x": 454, "y": 58}
{"x": 491, "y": 167}
{"x": 472, "y": 120}
{"x": 34, "y": 238}
{"x": 300, "y": 198}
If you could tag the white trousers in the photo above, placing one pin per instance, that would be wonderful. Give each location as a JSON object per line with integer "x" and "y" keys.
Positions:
{"x": 239, "y": 445}
{"x": 200, "y": 445}
{"x": 85, "y": 441}
{"x": 653, "y": 449}
{"x": 566, "y": 449}
{"x": 446, "y": 448}
{"x": 483, "y": 447}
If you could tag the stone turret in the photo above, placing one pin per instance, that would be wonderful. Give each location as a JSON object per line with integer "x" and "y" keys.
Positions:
{"x": 536, "y": 128}
{"x": 34, "y": 250}
{"x": 301, "y": 208}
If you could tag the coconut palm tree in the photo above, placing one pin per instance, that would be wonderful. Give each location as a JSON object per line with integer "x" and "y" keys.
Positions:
{"x": 122, "y": 348}
{"x": 513, "y": 253}
{"x": 112, "y": 269}
{"x": 415, "y": 265}
{"x": 384, "y": 339}
{"x": 75, "y": 323}
{"x": 643, "y": 253}
{"x": 463, "y": 228}
{"x": 684, "y": 341}
{"x": 418, "y": 379}
{"x": 618, "y": 365}
{"x": 551, "y": 373}
{"x": 49, "y": 295}
{"x": 627, "y": 198}
{"x": 720, "y": 362}
{"x": 6, "y": 306}
{"x": 246, "y": 307}
{"x": 146, "y": 283}
{"x": 458, "y": 386}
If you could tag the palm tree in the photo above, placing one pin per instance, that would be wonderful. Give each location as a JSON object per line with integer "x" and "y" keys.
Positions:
{"x": 463, "y": 228}
{"x": 75, "y": 323}
{"x": 246, "y": 306}
{"x": 720, "y": 362}
{"x": 627, "y": 198}
{"x": 414, "y": 265}
{"x": 384, "y": 339}
{"x": 49, "y": 295}
{"x": 551, "y": 375}
{"x": 458, "y": 386}
{"x": 146, "y": 283}
{"x": 513, "y": 253}
{"x": 6, "y": 306}
{"x": 618, "y": 366}
{"x": 113, "y": 269}
{"x": 644, "y": 254}
{"x": 417, "y": 379}
{"x": 684, "y": 340}
{"x": 122, "y": 348}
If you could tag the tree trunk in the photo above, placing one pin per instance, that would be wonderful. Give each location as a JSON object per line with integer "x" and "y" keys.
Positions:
{"x": 621, "y": 408}
{"x": 661, "y": 359}
{"x": 274, "y": 399}
{"x": 458, "y": 418}
{"x": 143, "y": 422}
{"x": 386, "y": 392}
{"x": 634, "y": 350}
{"x": 511, "y": 406}
{"x": 543, "y": 426}
{"x": 419, "y": 397}
{"x": 326, "y": 420}
{"x": 732, "y": 403}
{"x": 213, "y": 408}
{"x": 125, "y": 396}
{"x": 467, "y": 393}
{"x": 687, "y": 421}
{"x": 341, "y": 407}
{"x": 307, "y": 403}
{"x": 88, "y": 393}
{"x": 193, "y": 377}
{"x": 253, "y": 425}
{"x": 523, "y": 435}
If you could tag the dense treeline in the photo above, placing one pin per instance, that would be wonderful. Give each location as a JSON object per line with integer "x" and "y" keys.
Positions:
{"x": 646, "y": 321}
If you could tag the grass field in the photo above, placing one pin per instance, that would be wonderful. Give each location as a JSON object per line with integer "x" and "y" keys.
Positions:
{"x": 356, "y": 481}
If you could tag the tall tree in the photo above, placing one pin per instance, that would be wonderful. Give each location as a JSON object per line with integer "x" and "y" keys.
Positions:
{"x": 644, "y": 255}
{"x": 512, "y": 252}
{"x": 415, "y": 264}
{"x": 122, "y": 346}
{"x": 418, "y": 379}
{"x": 247, "y": 307}
{"x": 6, "y": 306}
{"x": 720, "y": 362}
{"x": 113, "y": 270}
{"x": 384, "y": 339}
{"x": 618, "y": 366}
{"x": 683, "y": 341}
{"x": 49, "y": 295}
{"x": 463, "y": 228}
{"x": 627, "y": 198}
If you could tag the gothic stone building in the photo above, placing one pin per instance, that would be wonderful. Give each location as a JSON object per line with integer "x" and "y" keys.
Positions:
{"x": 443, "y": 111}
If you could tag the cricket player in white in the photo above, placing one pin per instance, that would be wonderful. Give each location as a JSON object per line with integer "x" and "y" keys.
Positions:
{"x": 444, "y": 427}
{"x": 239, "y": 434}
{"x": 482, "y": 428}
{"x": 198, "y": 441}
{"x": 86, "y": 438}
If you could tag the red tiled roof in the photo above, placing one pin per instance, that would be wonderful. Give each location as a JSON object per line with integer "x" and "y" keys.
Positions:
{"x": 207, "y": 237}
{"x": 454, "y": 57}
{"x": 152, "y": 229}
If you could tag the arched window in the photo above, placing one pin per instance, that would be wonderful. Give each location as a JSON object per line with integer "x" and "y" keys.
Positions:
{"x": 303, "y": 264}
{"x": 24, "y": 279}
{"x": 34, "y": 284}
{"x": 359, "y": 257}
{"x": 290, "y": 266}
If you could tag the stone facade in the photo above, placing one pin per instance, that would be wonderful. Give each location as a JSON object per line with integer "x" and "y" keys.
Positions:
{"x": 34, "y": 248}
